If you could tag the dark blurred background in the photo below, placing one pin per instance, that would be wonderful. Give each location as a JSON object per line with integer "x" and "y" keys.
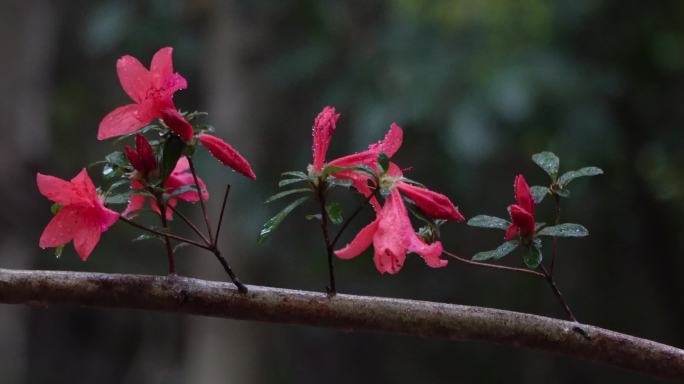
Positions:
{"x": 478, "y": 86}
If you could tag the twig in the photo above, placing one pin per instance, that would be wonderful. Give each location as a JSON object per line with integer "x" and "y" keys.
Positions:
{"x": 202, "y": 206}
{"x": 169, "y": 235}
{"x": 350, "y": 218}
{"x": 167, "y": 240}
{"x": 493, "y": 266}
{"x": 554, "y": 242}
{"x": 326, "y": 237}
{"x": 190, "y": 224}
{"x": 557, "y": 292}
{"x": 223, "y": 209}
{"x": 179, "y": 294}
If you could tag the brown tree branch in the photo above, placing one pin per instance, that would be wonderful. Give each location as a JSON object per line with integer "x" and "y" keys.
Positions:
{"x": 179, "y": 294}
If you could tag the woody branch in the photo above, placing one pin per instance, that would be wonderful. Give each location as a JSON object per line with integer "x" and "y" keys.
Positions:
{"x": 178, "y": 294}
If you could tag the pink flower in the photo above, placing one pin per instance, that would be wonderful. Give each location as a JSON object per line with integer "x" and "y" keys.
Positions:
{"x": 433, "y": 204}
{"x": 82, "y": 218}
{"x": 180, "y": 177}
{"x": 226, "y": 154}
{"x": 323, "y": 128}
{"x": 152, "y": 91}
{"x": 142, "y": 158}
{"x": 178, "y": 124}
{"x": 522, "y": 213}
{"x": 392, "y": 236}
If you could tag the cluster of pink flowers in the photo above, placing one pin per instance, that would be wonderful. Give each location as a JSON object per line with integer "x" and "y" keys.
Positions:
{"x": 391, "y": 233}
{"x": 82, "y": 216}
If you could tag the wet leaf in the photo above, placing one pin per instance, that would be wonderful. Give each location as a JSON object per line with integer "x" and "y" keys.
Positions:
{"x": 539, "y": 193}
{"x": 569, "y": 176}
{"x": 496, "y": 254}
{"x": 286, "y": 193}
{"x": 275, "y": 221}
{"x": 548, "y": 161}
{"x": 484, "y": 221}
{"x": 532, "y": 257}
{"x": 564, "y": 230}
{"x": 334, "y": 210}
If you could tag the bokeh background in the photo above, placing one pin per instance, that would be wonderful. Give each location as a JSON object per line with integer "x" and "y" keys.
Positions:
{"x": 478, "y": 86}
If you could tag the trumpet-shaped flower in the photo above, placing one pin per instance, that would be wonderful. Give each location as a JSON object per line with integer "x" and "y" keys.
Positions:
{"x": 82, "y": 218}
{"x": 392, "y": 236}
{"x": 522, "y": 213}
{"x": 226, "y": 154}
{"x": 180, "y": 177}
{"x": 151, "y": 90}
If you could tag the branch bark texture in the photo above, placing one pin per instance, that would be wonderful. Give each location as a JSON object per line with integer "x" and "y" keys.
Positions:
{"x": 349, "y": 312}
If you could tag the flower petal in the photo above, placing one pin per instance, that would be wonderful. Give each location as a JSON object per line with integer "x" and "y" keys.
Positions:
{"x": 123, "y": 120}
{"x": 511, "y": 231}
{"x": 135, "y": 79}
{"x": 323, "y": 128}
{"x": 361, "y": 241}
{"x": 523, "y": 195}
{"x": 84, "y": 186}
{"x": 391, "y": 143}
{"x": 61, "y": 229}
{"x": 433, "y": 204}
{"x": 86, "y": 237}
{"x": 390, "y": 240}
{"x": 226, "y": 154}
{"x": 60, "y": 191}
{"x": 389, "y": 146}
{"x": 161, "y": 66}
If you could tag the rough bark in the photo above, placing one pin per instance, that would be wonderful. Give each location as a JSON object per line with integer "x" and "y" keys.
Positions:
{"x": 347, "y": 312}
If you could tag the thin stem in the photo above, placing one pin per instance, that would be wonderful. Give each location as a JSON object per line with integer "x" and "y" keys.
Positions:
{"x": 493, "y": 266}
{"x": 326, "y": 237}
{"x": 190, "y": 224}
{"x": 199, "y": 191}
{"x": 350, "y": 218}
{"x": 167, "y": 241}
{"x": 554, "y": 242}
{"x": 241, "y": 287}
{"x": 159, "y": 233}
{"x": 557, "y": 292}
{"x": 223, "y": 209}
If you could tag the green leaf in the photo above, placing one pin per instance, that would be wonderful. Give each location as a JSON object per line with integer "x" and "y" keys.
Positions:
{"x": 117, "y": 158}
{"x": 503, "y": 250}
{"x": 334, "y": 210}
{"x": 146, "y": 236}
{"x": 286, "y": 193}
{"x": 286, "y": 182}
{"x": 569, "y": 176}
{"x": 484, "y": 221}
{"x": 334, "y": 182}
{"x": 563, "y": 192}
{"x": 173, "y": 148}
{"x": 384, "y": 161}
{"x": 119, "y": 198}
{"x": 539, "y": 193}
{"x": 54, "y": 208}
{"x": 330, "y": 169}
{"x": 58, "y": 251}
{"x": 362, "y": 168}
{"x": 407, "y": 180}
{"x": 295, "y": 174}
{"x": 275, "y": 221}
{"x": 548, "y": 161}
{"x": 532, "y": 257}
{"x": 564, "y": 230}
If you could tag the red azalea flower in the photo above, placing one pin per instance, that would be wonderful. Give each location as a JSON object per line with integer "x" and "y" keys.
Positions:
{"x": 226, "y": 154}
{"x": 142, "y": 158}
{"x": 323, "y": 128}
{"x": 433, "y": 204}
{"x": 392, "y": 236}
{"x": 178, "y": 124}
{"x": 522, "y": 213}
{"x": 82, "y": 218}
{"x": 180, "y": 177}
{"x": 151, "y": 90}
